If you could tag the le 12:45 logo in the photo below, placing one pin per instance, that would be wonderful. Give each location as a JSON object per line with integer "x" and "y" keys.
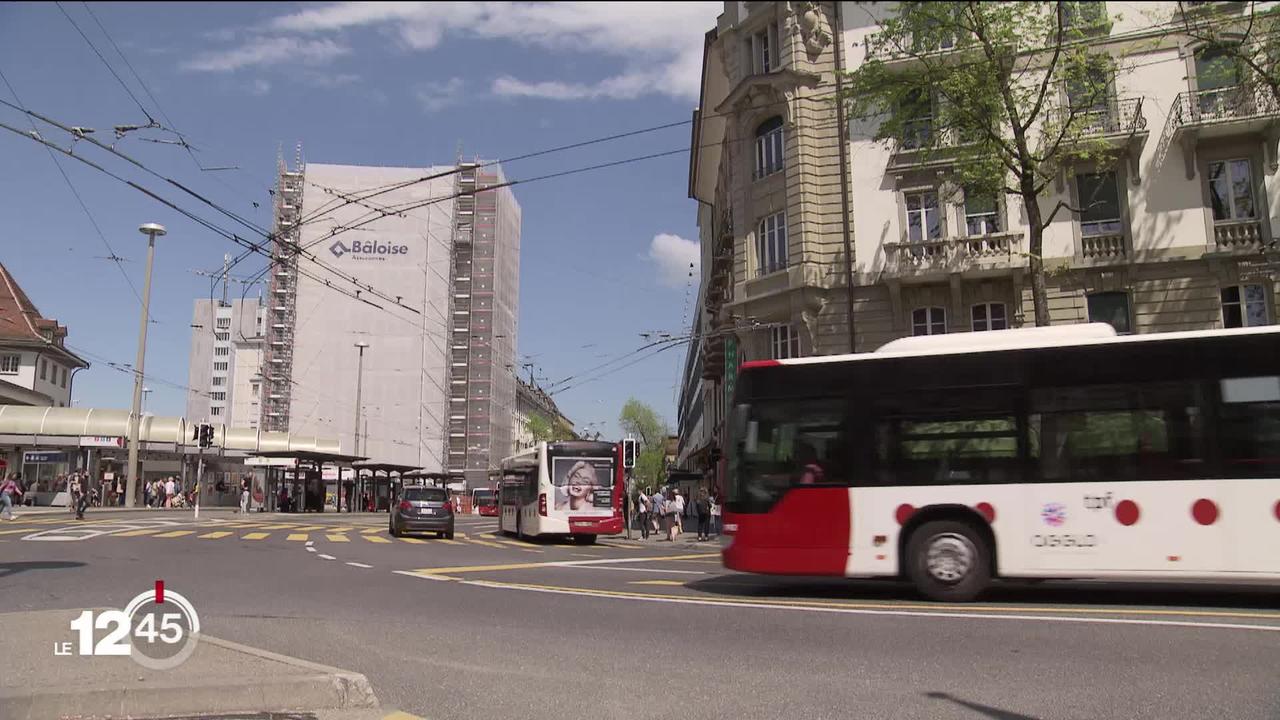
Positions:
{"x": 158, "y": 629}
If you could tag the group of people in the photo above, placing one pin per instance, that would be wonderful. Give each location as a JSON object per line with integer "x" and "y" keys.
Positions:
{"x": 165, "y": 493}
{"x": 666, "y": 510}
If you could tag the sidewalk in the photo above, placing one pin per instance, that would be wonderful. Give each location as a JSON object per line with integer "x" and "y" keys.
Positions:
{"x": 46, "y": 511}
{"x": 220, "y": 677}
{"x": 686, "y": 539}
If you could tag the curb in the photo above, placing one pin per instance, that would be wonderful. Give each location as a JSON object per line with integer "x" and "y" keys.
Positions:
{"x": 324, "y": 688}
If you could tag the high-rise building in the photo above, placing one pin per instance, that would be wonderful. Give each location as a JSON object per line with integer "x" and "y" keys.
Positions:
{"x": 224, "y": 372}
{"x": 420, "y": 266}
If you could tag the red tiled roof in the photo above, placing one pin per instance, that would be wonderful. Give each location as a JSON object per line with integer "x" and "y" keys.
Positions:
{"x": 22, "y": 323}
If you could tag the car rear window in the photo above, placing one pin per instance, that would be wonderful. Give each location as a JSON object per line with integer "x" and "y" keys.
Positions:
{"x": 425, "y": 494}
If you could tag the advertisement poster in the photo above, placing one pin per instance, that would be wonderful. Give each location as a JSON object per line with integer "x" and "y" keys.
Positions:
{"x": 583, "y": 485}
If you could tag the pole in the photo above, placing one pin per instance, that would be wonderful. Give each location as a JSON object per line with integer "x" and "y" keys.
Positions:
{"x": 199, "y": 477}
{"x": 135, "y": 419}
{"x": 359, "y": 382}
{"x": 843, "y": 143}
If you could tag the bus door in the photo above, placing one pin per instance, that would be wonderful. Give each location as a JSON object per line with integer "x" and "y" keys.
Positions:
{"x": 1248, "y": 427}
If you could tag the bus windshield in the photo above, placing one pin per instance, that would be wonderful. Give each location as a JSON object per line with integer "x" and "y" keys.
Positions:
{"x": 484, "y": 497}
{"x": 781, "y": 443}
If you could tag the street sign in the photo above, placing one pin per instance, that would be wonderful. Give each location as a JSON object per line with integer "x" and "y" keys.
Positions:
{"x": 730, "y": 367}
{"x": 101, "y": 441}
{"x": 32, "y": 457}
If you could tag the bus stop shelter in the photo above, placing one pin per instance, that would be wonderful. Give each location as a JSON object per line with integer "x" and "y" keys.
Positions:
{"x": 376, "y": 485}
{"x": 300, "y": 474}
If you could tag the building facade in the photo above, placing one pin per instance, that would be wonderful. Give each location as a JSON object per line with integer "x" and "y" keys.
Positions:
{"x": 418, "y": 265}
{"x": 36, "y": 368}
{"x": 814, "y": 244}
{"x": 224, "y": 374}
{"x": 533, "y": 402}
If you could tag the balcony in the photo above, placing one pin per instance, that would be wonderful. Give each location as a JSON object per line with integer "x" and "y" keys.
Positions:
{"x": 923, "y": 145}
{"x": 932, "y": 260}
{"x": 1249, "y": 109}
{"x": 901, "y": 55}
{"x": 1111, "y": 246}
{"x": 1238, "y": 236}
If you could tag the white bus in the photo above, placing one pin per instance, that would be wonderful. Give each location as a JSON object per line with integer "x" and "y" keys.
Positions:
{"x": 1061, "y": 452}
{"x": 572, "y": 488}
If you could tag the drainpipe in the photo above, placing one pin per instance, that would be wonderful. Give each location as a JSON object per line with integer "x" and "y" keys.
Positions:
{"x": 836, "y": 32}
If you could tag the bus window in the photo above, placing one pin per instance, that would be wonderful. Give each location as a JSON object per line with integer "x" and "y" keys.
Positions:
{"x": 1249, "y": 427}
{"x": 785, "y": 443}
{"x": 947, "y": 436}
{"x": 1116, "y": 432}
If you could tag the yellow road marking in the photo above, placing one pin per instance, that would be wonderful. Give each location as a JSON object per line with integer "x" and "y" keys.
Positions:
{"x": 276, "y": 527}
{"x": 398, "y": 715}
{"x": 415, "y": 541}
{"x": 513, "y": 543}
{"x": 446, "y": 541}
{"x": 177, "y": 533}
{"x": 338, "y": 538}
{"x": 485, "y": 543}
{"x": 215, "y": 535}
{"x": 18, "y": 530}
{"x": 133, "y": 533}
{"x": 371, "y": 531}
{"x": 299, "y": 537}
{"x": 508, "y": 566}
{"x": 655, "y": 582}
{"x": 339, "y": 528}
{"x": 254, "y": 536}
{"x": 376, "y": 539}
{"x": 620, "y": 547}
{"x": 311, "y": 527}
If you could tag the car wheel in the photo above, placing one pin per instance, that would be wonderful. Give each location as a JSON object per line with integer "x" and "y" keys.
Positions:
{"x": 395, "y": 532}
{"x": 949, "y": 561}
{"x": 449, "y": 535}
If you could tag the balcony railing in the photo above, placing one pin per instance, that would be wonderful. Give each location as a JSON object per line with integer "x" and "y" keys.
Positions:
{"x": 1116, "y": 117}
{"x": 1239, "y": 102}
{"x": 1238, "y": 235}
{"x": 881, "y": 47}
{"x": 1109, "y": 246}
{"x": 1000, "y": 250}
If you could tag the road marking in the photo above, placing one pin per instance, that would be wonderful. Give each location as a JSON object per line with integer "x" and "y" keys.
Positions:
{"x": 415, "y": 541}
{"x": 276, "y": 527}
{"x": 135, "y": 533}
{"x": 399, "y": 715}
{"x": 327, "y": 557}
{"x": 176, "y": 533}
{"x": 254, "y": 536}
{"x": 359, "y": 565}
{"x": 620, "y": 547}
{"x": 425, "y": 576}
{"x": 446, "y": 541}
{"x": 371, "y": 530}
{"x": 310, "y": 527}
{"x": 649, "y": 570}
{"x": 310, "y": 543}
{"x": 18, "y": 530}
{"x": 297, "y": 537}
{"x": 485, "y": 543}
{"x": 338, "y": 538}
{"x": 655, "y": 582}
{"x": 376, "y": 539}
{"x": 311, "y": 549}
{"x": 215, "y": 535}
{"x": 526, "y": 566}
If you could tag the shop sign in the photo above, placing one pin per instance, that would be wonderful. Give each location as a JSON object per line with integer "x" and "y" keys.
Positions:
{"x": 32, "y": 457}
{"x": 101, "y": 441}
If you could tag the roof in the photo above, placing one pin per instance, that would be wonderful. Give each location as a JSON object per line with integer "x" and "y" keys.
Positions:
{"x": 22, "y": 324}
{"x": 1080, "y": 334}
{"x": 309, "y": 455}
{"x": 383, "y": 467}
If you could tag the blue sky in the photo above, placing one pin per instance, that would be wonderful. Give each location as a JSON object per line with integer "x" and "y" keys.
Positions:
{"x": 382, "y": 84}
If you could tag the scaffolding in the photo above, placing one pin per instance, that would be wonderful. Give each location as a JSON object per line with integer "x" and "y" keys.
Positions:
{"x": 277, "y": 356}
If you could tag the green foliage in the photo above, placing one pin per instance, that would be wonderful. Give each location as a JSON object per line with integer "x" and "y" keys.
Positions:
{"x": 543, "y": 430}
{"x": 1246, "y": 43}
{"x": 643, "y": 423}
{"x": 1009, "y": 93}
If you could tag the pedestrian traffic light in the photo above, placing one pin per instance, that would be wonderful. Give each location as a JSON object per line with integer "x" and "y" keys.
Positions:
{"x": 629, "y": 453}
{"x": 204, "y": 435}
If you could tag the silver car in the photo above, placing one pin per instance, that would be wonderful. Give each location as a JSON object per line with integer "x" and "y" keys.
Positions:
{"x": 423, "y": 509}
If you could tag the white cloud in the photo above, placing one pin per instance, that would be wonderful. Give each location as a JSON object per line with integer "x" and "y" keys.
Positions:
{"x": 435, "y": 96}
{"x": 659, "y": 44}
{"x": 268, "y": 50}
{"x": 672, "y": 255}
{"x": 260, "y": 87}
{"x": 330, "y": 80}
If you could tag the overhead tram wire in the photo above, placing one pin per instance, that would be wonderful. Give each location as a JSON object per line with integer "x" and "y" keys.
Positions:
{"x": 151, "y": 122}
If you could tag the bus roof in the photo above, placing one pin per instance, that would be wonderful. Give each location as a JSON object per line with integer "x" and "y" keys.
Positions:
{"x": 1082, "y": 334}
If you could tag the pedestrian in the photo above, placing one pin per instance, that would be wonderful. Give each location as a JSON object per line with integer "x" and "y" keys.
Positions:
{"x": 10, "y": 491}
{"x": 244, "y": 495}
{"x": 677, "y": 514}
{"x": 643, "y": 514}
{"x": 702, "y": 508}
{"x": 170, "y": 491}
{"x": 658, "y": 510}
{"x": 146, "y": 494}
{"x": 715, "y": 514}
{"x": 80, "y": 495}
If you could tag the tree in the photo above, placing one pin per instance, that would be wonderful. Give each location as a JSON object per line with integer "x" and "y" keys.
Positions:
{"x": 979, "y": 84}
{"x": 543, "y": 430}
{"x": 1247, "y": 43}
{"x": 650, "y": 431}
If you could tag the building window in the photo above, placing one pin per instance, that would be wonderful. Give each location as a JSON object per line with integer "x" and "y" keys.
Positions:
{"x": 1083, "y": 15}
{"x": 981, "y": 214}
{"x": 63, "y": 382}
{"x": 1099, "y": 196}
{"x": 918, "y": 131}
{"x": 221, "y": 336}
{"x": 224, "y": 322}
{"x": 1111, "y": 308}
{"x": 1231, "y": 190}
{"x": 221, "y": 351}
{"x": 1217, "y": 77}
{"x": 254, "y": 386}
{"x": 215, "y": 411}
{"x": 784, "y": 342}
{"x": 219, "y": 381}
{"x": 771, "y": 244}
{"x": 220, "y": 367}
{"x": 989, "y": 316}
{"x": 929, "y": 321}
{"x": 1244, "y": 306}
{"x": 44, "y": 368}
{"x": 769, "y": 147}
{"x": 217, "y": 396}
{"x": 9, "y": 364}
{"x": 764, "y": 50}
{"x": 924, "y": 222}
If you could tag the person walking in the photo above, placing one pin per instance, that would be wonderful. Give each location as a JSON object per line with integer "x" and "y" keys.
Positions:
{"x": 702, "y": 508}
{"x": 715, "y": 514}
{"x": 10, "y": 492}
{"x": 677, "y": 514}
{"x": 642, "y": 501}
{"x": 79, "y": 494}
{"x": 658, "y": 510}
{"x": 170, "y": 491}
{"x": 244, "y": 495}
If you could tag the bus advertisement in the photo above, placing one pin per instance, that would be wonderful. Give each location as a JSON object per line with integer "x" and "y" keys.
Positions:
{"x": 1057, "y": 452}
{"x": 571, "y": 488}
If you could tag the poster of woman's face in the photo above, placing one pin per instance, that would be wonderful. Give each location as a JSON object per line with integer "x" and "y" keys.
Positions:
{"x": 583, "y": 483}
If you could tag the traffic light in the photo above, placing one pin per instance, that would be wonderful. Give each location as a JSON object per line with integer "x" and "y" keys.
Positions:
{"x": 629, "y": 453}
{"x": 204, "y": 435}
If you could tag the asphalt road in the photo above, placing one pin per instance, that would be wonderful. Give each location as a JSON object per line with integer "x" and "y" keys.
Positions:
{"x": 485, "y": 626}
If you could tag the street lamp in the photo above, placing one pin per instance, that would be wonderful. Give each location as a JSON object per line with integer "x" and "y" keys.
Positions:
{"x": 145, "y": 392}
{"x": 151, "y": 230}
{"x": 359, "y": 382}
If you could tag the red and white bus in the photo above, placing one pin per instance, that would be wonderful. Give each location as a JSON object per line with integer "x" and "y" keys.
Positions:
{"x": 571, "y": 488}
{"x": 484, "y": 501}
{"x": 1060, "y": 452}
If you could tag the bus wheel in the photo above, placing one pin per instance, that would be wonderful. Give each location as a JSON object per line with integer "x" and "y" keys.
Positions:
{"x": 519, "y": 527}
{"x": 949, "y": 561}
{"x": 584, "y": 539}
